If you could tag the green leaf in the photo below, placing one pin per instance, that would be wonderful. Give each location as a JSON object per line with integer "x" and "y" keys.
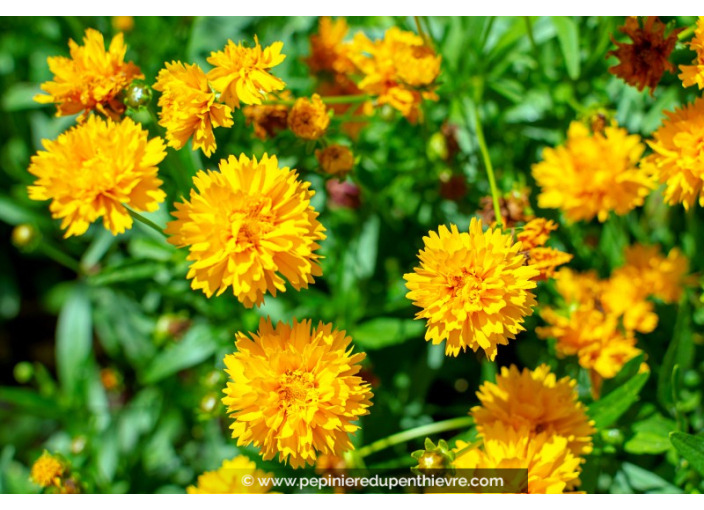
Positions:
{"x": 386, "y": 331}
{"x": 679, "y": 353}
{"x": 647, "y": 443}
{"x": 606, "y": 411}
{"x": 628, "y": 370}
{"x": 74, "y": 339}
{"x": 645, "y": 481}
{"x": 28, "y": 401}
{"x": 20, "y": 96}
{"x": 691, "y": 448}
{"x": 568, "y": 35}
{"x": 198, "y": 344}
{"x": 130, "y": 271}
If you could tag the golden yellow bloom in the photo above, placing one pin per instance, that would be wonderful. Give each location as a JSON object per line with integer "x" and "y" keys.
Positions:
{"x": 47, "y": 470}
{"x": 336, "y": 160}
{"x": 395, "y": 68}
{"x": 242, "y": 75}
{"x": 122, "y": 23}
{"x": 593, "y": 174}
{"x": 188, "y": 107}
{"x": 626, "y": 297}
{"x": 227, "y": 479}
{"x": 91, "y": 79}
{"x": 328, "y": 52}
{"x": 694, "y": 74}
{"x": 472, "y": 287}
{"x": 246, "y": 226}
{"x": 294, "y": 391}
{"x": 533, "y": 237}
{"x": 268, "y": 119}
{"x": 659, "y": 276}
{"x": 552, "y": 467}
{"x": 96, "y": 169}
{"x": 309, "y": 119}
{"x": 677, "y": 156}
{"x": 537, "y": 401}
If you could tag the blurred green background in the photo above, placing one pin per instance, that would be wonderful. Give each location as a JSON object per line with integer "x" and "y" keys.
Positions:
{"x": 120, "y": 368}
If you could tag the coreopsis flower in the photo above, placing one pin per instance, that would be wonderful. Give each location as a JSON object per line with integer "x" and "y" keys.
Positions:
{"x": 246, "y": 226}
{"x": 242, "y": 75}
{"x": 694, "y": 74}
{"x": 328, "y": 51}
{"x": 294, "y": 391}
{"x": 400, "y": 70}
{"x": 552, "y": 467}
{"x": 268, "y": 119}
{"x": 336, "y": 160}
{"x": 91, "y": 79}
{"x": 625, "y": 297}
{"x": 677, "y": 157}
{"x": 593, "y": 174}
{"x": 188, "y": 107}
{"x": 98, "y": 169}
{"x": 533, "y": 237}
{"x": 472, "y": 287}
{"x": 309, "y": 119}
{"x": 644, "y": 60}
{"x": 658, "y": 276}
{"x": 228, "y": 479}
{"x": 536, "y": 401}
{"x": 47, "y": 470}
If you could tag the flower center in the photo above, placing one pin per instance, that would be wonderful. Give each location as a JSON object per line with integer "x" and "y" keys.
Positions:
{"x": 249, "y": 224}
{"x": 295, "y": 389}
{"x": 467, "y": 285}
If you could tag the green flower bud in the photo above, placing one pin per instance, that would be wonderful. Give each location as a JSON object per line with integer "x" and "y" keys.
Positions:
{"x": 138, "y": 95}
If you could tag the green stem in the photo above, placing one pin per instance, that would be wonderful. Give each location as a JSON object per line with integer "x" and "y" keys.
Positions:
{"x": 487, "y": 163}
{"x": 60, "y": 257}
{"x": 686, "y": 32}
{"x": 421, "y": 32}
{"x": 472, "y": 446}
{"x": 360, "y": 98}
{"x": 180, "y": 176}
{"x": 145, "y": 221}
{"x": 408, "y": 435}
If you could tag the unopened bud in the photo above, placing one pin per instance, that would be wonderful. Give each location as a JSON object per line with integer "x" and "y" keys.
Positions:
{"x": 138, "y": 95}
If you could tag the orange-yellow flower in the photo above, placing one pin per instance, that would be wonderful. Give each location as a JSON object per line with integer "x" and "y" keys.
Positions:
{"x": 309, "y": 119}
{"x": 97, "y": 169}
{"x": 122, "y": 23}
{"x": 694, "y": 74}
{"x": 47, "y": 470}
{"x": 91, "y": 79}
{"x": 242, "y": 75}
{"x": 268, "y": 119}
{"x": 535, "y": 401}
{"x": 336, "y": 160}
{"x": 472, "y": 287}
{"x": 593, "y": 174}
{"x": 552, "y": 467}
{"x": 246, "y": 226}
{"x": 399, "y": 69}
{"x": 533, "y": 237}
{"x": 230, "y": 478}
{"x": 678, "y": 158}
{"x": 294, "y": 391}
{"x": 188, "y": 107}
{"x": 328, "y": 52}
{"x": 644, "y": 60}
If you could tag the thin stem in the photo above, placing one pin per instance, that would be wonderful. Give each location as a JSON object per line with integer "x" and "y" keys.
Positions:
{"x": 421, "y": 32}
{"x": 360, "y": 98}
{"x": 686, "y": 32}
{"x": 487, "y": 163}
{"x": 472, "y": 446}
{"x": 146, "y": 221}
{"x": 60, "y": 257}
{"x": 408, "y": 435}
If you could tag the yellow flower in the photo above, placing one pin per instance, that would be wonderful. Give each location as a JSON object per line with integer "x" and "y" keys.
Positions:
{"x": 552, "y": 467}
{"x": 47, "y": 471}
{"x": 593, "y": 174}
{"x": 677, "y": 155}
{"x": 268, "y": 119}
{"x": 294, "y": 391}
{"x": 472, "y": 287}
{"x": 309, "y": 119}
{"x": 626, "y": 297}
{"x": 91, "y": 79}
{"x": 533, "y": 237}
{"x": 662, "y": 277}
{"x": 241, "y": 75}
{"x": 96, "y": 169}
{"x": 694, "y": 74}
{"x": 336, "y": 160}
{"x": 328, "y": 52}
{"x": 394, "y": 68}
{"x": 188, "y": 107}
{"x": 535, "y": 401}
{"x": 246, "y": 226}
{"x": 227, "y": 479}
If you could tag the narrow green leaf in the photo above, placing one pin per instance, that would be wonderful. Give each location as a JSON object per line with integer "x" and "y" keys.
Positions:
{"x": 386, "y": 331}
{"x": 646, "y": 481}
{"x": 74, "y": 338}
{"x": 606, "y": 411}
{"x": 568, "y": 35}
{"x": 691, "y": 448}
{"x": 680, "y": 352}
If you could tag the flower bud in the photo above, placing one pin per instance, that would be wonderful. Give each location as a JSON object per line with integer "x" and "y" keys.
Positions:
{"x": 138, "y": 95}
